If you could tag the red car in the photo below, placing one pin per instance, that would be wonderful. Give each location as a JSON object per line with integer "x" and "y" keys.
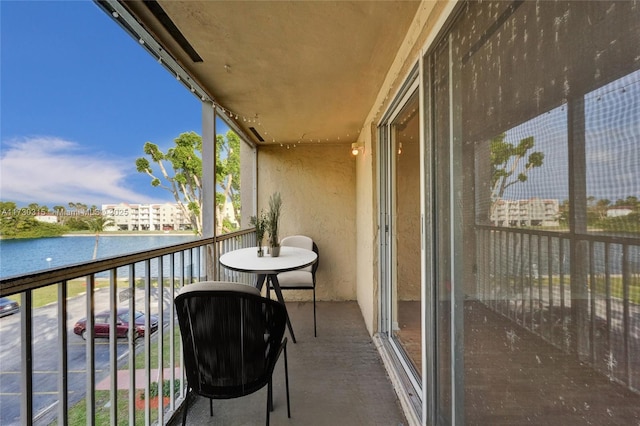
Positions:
{"x": 103, "y": 319}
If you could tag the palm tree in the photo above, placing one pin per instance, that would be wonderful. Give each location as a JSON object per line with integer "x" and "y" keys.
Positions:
{"x": 97, "y": 224}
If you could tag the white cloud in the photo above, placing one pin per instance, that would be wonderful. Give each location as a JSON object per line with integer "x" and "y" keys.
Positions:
{"x": 50, "y": 171}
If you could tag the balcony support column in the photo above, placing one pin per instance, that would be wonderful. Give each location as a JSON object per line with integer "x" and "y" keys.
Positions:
{"x": 577, "y": 226}
{"x": 209, "y": 185}
{"x": 26, "y": 319}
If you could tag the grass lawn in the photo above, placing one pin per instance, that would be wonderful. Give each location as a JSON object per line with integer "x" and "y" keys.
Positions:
{"x": 78, "y": 413}
{"x": 615, "y": 281}
{"x": 49, "y": 294}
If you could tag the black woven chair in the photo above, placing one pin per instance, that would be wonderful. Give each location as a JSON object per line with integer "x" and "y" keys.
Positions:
{"x": 232, "y": 338}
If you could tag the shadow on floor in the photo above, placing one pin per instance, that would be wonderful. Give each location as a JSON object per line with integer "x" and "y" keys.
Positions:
{"x": 513, "y": 377}
{"x": 336, "y": 378}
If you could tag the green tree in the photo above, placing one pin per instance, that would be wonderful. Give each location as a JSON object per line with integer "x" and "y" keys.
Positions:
{"x": 37, "y": 207}
{"x": 185, "y": 184}
{"x": 628, "y": 224}
{"x": 60, "y": 212}
{"x": 563, "y": 213}
{"x": 78, "y": 207}
{"x": 97, "y": 224}
{"x": 185, "y": 160}
{"x": 631, "y": 202}
{"x": 601, "y": 208}
{"x": 505, "y": 161}
{"x": 506, "y": 167}
{"x": 74, "y": 216}
{"x": 228, "y": 179}
{"x": 21, "y": 223}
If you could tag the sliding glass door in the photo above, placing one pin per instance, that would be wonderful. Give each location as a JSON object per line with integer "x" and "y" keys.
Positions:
{"x": 532, "y": 121}
{"x": 402, "y": 305}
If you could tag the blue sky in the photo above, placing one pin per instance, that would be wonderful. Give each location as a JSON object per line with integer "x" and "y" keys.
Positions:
{"x": 612, "y": 129}
{"x": 79, "y": 98}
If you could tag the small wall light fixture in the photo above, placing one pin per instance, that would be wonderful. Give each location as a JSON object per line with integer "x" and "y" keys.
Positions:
{"x": 356, "y": 148}
{"x": 399, "y": 148}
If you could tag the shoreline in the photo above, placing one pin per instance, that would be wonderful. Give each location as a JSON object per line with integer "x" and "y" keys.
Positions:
{"x": 133, "y": 234}
{"x": 114, "y": 234}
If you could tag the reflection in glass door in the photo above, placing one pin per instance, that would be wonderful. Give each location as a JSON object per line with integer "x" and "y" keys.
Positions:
{"x": 403, "y": 266}
{"x": 406, "y": 300}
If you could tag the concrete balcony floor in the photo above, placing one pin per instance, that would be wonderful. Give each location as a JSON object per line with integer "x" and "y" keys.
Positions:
{"x": 336, "y": 378}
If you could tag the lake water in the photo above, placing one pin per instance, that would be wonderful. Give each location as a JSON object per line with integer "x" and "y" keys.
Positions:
{"x": 19, "y": 257}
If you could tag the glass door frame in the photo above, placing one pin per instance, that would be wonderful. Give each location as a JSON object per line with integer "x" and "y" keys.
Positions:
{"x": 387, "y": 249}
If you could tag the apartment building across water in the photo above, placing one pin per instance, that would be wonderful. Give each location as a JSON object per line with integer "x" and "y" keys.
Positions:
{"x": 531, "y": 212}
{"x": 146, "y": 217}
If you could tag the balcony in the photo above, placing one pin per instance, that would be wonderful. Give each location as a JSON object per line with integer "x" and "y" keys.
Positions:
{"x": 489, "y": 324}
{"x": 335, "y": 377}
{"x": 566, "y": 308}
{"x": 524, "y": 290}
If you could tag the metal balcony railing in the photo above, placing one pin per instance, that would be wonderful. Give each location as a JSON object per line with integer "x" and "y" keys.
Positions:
{"x": 579, "y": 292}
{"x": 60, "y": 378}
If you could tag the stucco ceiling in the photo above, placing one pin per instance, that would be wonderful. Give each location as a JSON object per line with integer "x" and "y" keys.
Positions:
{"x": 299, "y": 71}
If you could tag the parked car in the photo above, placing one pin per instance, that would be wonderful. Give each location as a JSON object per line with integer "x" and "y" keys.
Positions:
{"x": 103, "y": 320}
{"x": 8, "y": 306}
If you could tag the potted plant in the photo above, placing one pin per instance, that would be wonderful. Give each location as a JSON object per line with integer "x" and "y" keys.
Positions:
{"x": 273, "y": 218}
{"x": 260, "y": 222}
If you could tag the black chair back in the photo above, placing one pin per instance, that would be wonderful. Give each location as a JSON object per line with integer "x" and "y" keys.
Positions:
{"x": 231, "y": 341}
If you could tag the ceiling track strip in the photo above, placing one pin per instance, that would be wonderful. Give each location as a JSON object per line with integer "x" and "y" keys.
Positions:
{"x": 131, "y": 25}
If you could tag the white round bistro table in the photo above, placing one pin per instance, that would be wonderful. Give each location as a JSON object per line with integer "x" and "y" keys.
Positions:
{"x": 267, "y": 267}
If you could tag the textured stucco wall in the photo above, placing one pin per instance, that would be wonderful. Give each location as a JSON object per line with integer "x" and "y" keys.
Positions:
{"x": 332, "y": 188}
{"x": 317, "y": 185}
{"x": 430, "y": 17}
{"x": 367, "y": 287}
